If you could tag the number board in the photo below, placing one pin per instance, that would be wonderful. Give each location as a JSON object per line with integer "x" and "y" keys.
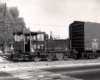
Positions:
{"x": 38, "y": 45}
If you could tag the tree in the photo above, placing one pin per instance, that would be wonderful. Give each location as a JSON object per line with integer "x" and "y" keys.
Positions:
{"x": 14, "y": 12}
{"x": 10, "y": 22}
{"x": 19, "y": 23}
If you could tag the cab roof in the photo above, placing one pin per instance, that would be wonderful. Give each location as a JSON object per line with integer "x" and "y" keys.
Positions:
{"x": 28, "y": 32}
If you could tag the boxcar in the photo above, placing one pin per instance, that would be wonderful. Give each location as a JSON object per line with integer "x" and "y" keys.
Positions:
{"x": 84, "y": 39}
{"x": 36, "y": 46}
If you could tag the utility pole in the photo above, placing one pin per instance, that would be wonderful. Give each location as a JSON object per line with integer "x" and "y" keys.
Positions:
{"x": 3, "y": 29}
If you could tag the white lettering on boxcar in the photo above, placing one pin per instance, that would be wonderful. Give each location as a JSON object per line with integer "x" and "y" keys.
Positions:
{"x": 95, "y": 44}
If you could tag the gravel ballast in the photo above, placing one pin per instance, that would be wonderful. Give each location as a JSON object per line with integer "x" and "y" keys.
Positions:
{"x": 46, "y": 63}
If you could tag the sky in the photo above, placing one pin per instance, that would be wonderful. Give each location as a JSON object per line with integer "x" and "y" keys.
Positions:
{"x": 56, "y": 15}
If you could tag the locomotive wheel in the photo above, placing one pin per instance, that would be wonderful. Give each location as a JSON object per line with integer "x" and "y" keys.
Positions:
{"x": 37, "y": 59}
{"x": 50, "y": 57}
{"x": 59, "y": 56}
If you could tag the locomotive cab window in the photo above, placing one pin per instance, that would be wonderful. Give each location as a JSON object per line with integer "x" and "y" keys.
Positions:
{"x": 18, "y": 37}
{"x": 40, "y": 37}
{"x": 37, "y": 37}
{"x": 27, "y": 38}
{"x": 34, "y": 37}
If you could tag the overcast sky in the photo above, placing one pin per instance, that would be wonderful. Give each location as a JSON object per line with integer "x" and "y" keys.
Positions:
{"x": 57, "y": 13}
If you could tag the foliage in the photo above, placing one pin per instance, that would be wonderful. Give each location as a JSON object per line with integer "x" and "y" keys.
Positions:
{"x": 10, "y": 22}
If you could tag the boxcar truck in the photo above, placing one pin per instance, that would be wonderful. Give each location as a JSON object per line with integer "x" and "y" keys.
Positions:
{"x": 84, "y": 39}
{"x": 37, "y": 45}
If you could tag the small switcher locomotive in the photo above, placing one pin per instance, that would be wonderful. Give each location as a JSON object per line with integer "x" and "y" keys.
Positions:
{"x": 36, "y": 46}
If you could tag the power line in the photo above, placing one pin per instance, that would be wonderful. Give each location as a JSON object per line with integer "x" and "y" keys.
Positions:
{"x": 46, "y": 25}
{"x": 36, "y": 24}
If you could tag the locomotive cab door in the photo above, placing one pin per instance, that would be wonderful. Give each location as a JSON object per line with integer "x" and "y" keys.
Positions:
{"x": 27, "y": 43}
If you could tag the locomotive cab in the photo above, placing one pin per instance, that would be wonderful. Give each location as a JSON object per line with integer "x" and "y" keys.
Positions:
{"x": 37, "y": 41}
{"x": 18, "y": 41}
{"x": 35, "y": 45}
{"x": 28, "y": 44}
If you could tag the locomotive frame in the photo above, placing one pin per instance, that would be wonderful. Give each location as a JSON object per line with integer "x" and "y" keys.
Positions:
{"x": 37, "y": 46}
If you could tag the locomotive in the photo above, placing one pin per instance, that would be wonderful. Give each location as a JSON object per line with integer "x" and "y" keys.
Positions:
{"x": 36, "y": 46}
{"x": 83, "y": 42}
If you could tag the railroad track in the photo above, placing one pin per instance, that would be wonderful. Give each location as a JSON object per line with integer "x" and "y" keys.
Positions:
{"x": 44, "y": 62}
{"x": 24, "y": 64}
{"x": 6, "y": 59}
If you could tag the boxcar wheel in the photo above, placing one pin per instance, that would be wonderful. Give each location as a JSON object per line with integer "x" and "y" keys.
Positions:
{"x": 95, "y": 55}
{"x": 59, "y": 56}
{"x": 89, "y": 55}
{"x": 50, "y": 57}
{"x": 84, "y": 55}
